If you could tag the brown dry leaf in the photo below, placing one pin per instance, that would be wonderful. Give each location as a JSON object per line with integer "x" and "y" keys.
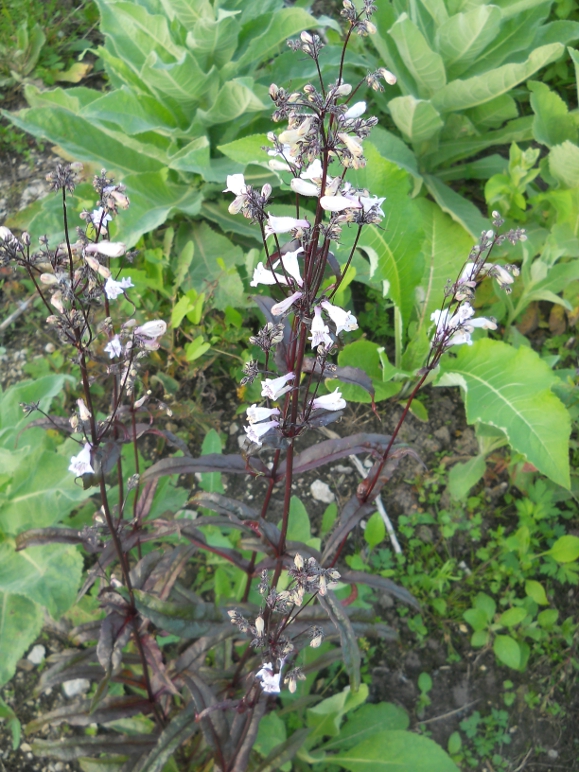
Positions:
{"x": 557, "y": 320}
{"x": 530, "y": 319}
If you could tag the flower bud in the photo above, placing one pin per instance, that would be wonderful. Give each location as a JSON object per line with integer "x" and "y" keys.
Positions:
{"x": 344, "y": 89}
{"x": 273, "y": 91}
{"x": 107, "y": 248}
{"x": 48, "y": 279}
{"x": 388, "y": 76}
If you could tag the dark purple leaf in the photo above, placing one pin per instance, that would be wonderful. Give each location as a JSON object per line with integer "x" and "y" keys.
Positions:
{"x": 356, "y": 376}
{"x": 311, "y": 365}
{"x": 115, "y": 632}
{"x": 146, "y": 499}
{"x": 52, "y": 422}
{"x": 214, "y": 725}
{"x": 212, "y": 462}
{"x": 349, "y": 644}
{"x": 160, "y": 681}
{"x": 70, "y": 664}
{"x": 183, "y": 619}
{"x": 224, "y": 505}
{"x": 351, "y": 515}
{"x": 379, "y": 583}
{"x": 181, "y": 727}
{"x": 194, "y": 656}
{"x": 71, "y": 748}
{"x": 331, "y": 450}
{"x": 334, "y": 265}
{"x": 323, "y": 417}
{"x": 196, "y": 537}
{"x": 249, "y": 735}
{"x": 77, "y": 713}
{"x": 107, "y": 456}
{"x": 41, "y": 536}
{"x": 165, "y": 573}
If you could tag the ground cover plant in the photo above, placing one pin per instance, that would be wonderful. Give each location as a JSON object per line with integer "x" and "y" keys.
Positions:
{"x": 242, "y": 543}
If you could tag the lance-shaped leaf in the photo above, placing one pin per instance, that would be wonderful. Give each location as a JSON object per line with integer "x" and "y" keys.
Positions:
{"x": 194, "y": 655}
{"x": 462, "y": 211}
{"x": 213, "y": 462}
{"x": 78, "y": 713}
{"x": 68, "y": 665}
{"x": 214, "y": 724}
{"x": 349, "y": 644}
{"x": 71, "y": 748}
{"x": 249, "y": 737}
{"x": 115, "y": 632}
{"x": 425, "y": 65}
{"x": 224, "y": 505}
{"x": 181, "y": 727}
{"x": 379, "y": 583}
{"x": 511, "y": 389}
{"x": 196, "y": 537}
{"x": 37, "y": 537}
{"x": 328, "y": 451}
{"x": 184, "y": 620}
{"x": 353, "y": 512}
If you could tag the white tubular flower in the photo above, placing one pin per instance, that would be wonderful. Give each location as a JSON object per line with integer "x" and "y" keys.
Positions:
{"x": 262, "y": 275}
{"x": 344, "y": 320}
{"x": 303, "y": 188}
{"x": 339, "y": 203}
{"x": 115, "y": 288}
{"x": 106, "y": 248}
{"x": 269, "y": 679}
{"x": 283, "y": 224}
{"x": 5, "y": 233}
{"x": 503, "y": 277}
{"x": 355, "y": 111}
{"x": 370, "y": 203}
{"x": 283, "y": 305}
{"x": 256, "y": 431}
{"x": 292, "y": 266}
{"x": 56, "y": 301}
{"x": 460, "y": 325}
{"x": 114, "y": 347}
{"x": 388, "y": 76}
{"x": 256, "y": 414}
{"x": 333, "y": 401}
{"x": 149, "y": 333}
{"x": 81, "y": 464}
{"x": 83, "y": 410}
{"x": 314, "y": 172}
{"x": 352, "y": 143}
{"x": 274, "y": 388}
{"x": 236, "y": 184}
{"x": 320, "y": 331}
{"x": 344, "y": 90}
{"x": 279, "y": 166}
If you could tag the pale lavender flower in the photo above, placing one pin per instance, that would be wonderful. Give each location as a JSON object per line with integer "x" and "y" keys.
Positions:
{"x": 262, "y": 275}
{"x": 100, "y": 217}
{"x": 274, "y": 388}
{"x": 114, "y": 347}
{"x": 147, "y": 334}
{"x": 81, "y": 464}
{"x": 353, "y": 144}
{"x": 314, "y": 172}
{"x": 83, "y": 410}
{"x": 283, "y": 224}
{"x": 333, "y": 401}
{"x": 283, "y": 305}
{"x": 236, "y": 184}
{"x": 269, "y": 680}
{"x": 291, "y": 265}
{"x": 256, "y": 431}
{"x": 115, "y": 288}
{"x": 339, "y": 203}
{"x": 344, "y": 320}
{"x": 303, "y": 187}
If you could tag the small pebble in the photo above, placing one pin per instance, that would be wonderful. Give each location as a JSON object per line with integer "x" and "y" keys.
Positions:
{"x": 75, "y": 687}
{"x": 50, "y": 348}
{"x": 552, "y": 754}
{"x": 233, "y": 428}
{"x": 37, "y": 654}
{"x": 25, "y": 748}
{"x": 321, "y": 492}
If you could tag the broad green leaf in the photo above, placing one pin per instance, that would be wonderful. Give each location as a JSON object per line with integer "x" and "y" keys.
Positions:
{"x": 247, "y": 149}
{"x": 235, "y": 98}
{"x": 280, "y": 25}
{"x": 326, "y": 717}
{"x": 446, "y": 247}
{"x": 218, "y": 213}
{"x": 369, "y": 719}
{"x": 511, "y": 389}
{"x": 394, "y": 248}
{"x": 424, "y": 64}
{"x": 417, "y": 119}
{"x": 12, "y": 418}
{"x": 299, "y": 528}
{"x": 548, "y": 617}
{"x": 365, "y": 355}
{"x": 188, "y": 12}
{"x": 486, "y": 604}
{"x": 133, "y": 113}
{"x": 396, "y": 751}
{"x": 536, "y": 591}
{"x": 272, "y": 732}
{"x": 182, "y": 81}
{"x": 493, "y": 114}
{"x": 553, "y": 124}
{"x": 465, "y": 35}
{"x": 459, "y": 208}
{"x": 564, "y": 163}
{"x": 213, "y": 41}
{"x": 463, "y": 477}
{"x": 393, "y": 149}
{"x": 20, "y": 624}
{"x": 507, "y": 651}
{"x": 565, "y": 549}
{"x": 37, "y": 574}
{"x": 280, "y": 756}
{"x": 464, "y": 94}
{"x": 574, "y": 54}
{"x": 476, "y": 618}
{"x": 513, "y": 616}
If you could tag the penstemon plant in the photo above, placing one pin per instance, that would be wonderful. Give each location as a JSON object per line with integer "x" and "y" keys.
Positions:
{"x": 287, "y": 603}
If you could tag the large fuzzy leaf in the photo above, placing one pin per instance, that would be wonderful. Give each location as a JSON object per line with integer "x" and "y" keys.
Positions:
{"x": 465, "y": 35}
{"x": 417, "y": 119}
{"x": 463, "y": 94}
{"x": 396, "y": 751}
{"x": 459, "y": 208}
{"x": 511, "y": 389}
{"x": 424, "y": 64}
{"x": 20, "y": 623}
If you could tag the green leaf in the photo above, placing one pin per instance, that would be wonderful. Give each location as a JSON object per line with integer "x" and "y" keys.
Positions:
{"x": 465, "y": 35}
{"x": 6, "y": 713}
{"x": 417, "y": 119}
{"x": 493, "y": 114}
{"x": 476, "y": 618}
{"x": 235, "y": 98}
{"x": 485, "y": 603}
{"x": 37, "y": 574}
{"x": 247, "y": 149}
{"x": 393, "y": 149}
{"x": 565, "y": 549}
{"x": 498, "y": 391}
{"x": 463, "y": 94}
{"x": 20, "y": 624}
{"x": 396, "y": 751}
{"x": 367, "y": 720}
{"x": 564, "y": 163}
{"x": 459, "y": 208}
{"x": 552, "y": 124}
{"x": 299, "y": 528}
{"x": 365, "y": 355}
{"x": 463, "y": 477}
{"x": 278, "y": 27}
{"x": 508, "y": 651}
{"x": 479, "y": 639}
{"x": 375, "y": 531}
{"x": 214, "y": 41}
{"x": 211, "y": 481}
{"x": 425, "y": 65}
{"x": 513, "y": 616}
{"x": 454, "y": 743}
{"x": 536, "y": 591}
{"x": 326, "y": 717}
{"x": 547, "y": 618}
